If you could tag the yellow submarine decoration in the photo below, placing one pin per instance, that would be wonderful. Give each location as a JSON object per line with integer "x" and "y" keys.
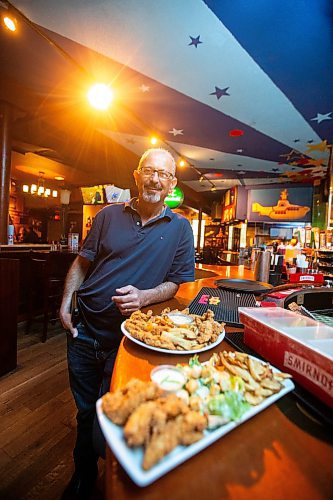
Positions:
{"x": 283, "y": 210}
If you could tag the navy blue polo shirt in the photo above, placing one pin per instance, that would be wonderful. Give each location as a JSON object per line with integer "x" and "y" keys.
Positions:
{"x": 123, "y": 252}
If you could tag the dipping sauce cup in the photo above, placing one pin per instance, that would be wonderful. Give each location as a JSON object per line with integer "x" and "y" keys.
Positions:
{"x": 168, "y": 377}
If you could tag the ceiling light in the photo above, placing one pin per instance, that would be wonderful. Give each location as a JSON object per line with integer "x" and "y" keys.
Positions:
{"x": 100, "y": 96}
{"x": 181, "y": 163}
{"x": 59, "y": 178}
{"x": 39, "y": 189}
{"x": 10, "y": 23}
{"x": 153, "y": 140}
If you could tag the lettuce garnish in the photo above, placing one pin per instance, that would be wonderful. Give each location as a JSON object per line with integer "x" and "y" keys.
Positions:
{"x": 229, "y": 405}
{"x": 194, "y": 361}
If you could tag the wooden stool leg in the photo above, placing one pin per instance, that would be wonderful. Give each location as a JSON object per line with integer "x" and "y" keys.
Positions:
{"x": 30, "y": 311}
{"x": 45, "y": 314}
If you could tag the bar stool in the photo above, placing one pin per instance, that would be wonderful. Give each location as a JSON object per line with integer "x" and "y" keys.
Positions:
{"x": 48, "y": 273}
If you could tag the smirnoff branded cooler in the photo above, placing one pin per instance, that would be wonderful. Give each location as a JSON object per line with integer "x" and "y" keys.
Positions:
{"x": 296, "y": 344}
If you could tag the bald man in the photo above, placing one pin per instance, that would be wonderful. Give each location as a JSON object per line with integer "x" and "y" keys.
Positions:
{"x": 136, "y": 254}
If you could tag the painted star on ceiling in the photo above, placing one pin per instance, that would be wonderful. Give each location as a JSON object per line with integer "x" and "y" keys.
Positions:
{"x": 318, "y": 162}
{"x": 302, "y": 161}
{"x": 321, "y": 146}
{"x": 303, "y": 175}
{"x": 321, "y": 171}
{"x": 176, "y": 131}
{"x": 291, "y": 155}
{"x": 220, "y": 92}
{"x": 195, "y": 41}
{"x": 320, "y": 118}
{"x": 144, "y": 88}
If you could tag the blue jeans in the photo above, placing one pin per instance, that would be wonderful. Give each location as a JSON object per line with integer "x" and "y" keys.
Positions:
{"x": 90, "y": 369}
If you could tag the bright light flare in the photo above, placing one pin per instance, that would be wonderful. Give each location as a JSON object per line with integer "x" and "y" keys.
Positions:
{"x": 153, "y": 140}
{"x": 181, "y": 163}
{"x": 9, "y": 23}
{"x": 100, "y": 96}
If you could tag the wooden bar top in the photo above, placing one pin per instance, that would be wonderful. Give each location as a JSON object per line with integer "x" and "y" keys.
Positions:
{"x": 269, "y": 456}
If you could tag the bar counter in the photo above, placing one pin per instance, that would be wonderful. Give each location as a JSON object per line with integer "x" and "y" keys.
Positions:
{"x": 269, "y": 456}
{"x": 17, "y": 247}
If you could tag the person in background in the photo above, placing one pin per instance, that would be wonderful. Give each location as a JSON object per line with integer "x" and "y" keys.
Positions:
{"x": 294, "y": 242}
{"x": 136, "y": 253}
{"x": 21, "y": 234}
{"x": 30, "y": 236}
{"x": 275, "y": 246}
{"x": 97, "y": 198}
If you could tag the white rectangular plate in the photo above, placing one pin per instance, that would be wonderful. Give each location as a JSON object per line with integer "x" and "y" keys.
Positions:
{"x": 131, "y": 458}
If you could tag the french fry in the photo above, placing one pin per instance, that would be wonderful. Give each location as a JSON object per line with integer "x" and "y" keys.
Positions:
{"x": 259, "y": 379}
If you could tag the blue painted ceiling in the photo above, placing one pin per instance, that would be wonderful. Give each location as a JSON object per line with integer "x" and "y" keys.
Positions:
{"x": 241, "y": 90}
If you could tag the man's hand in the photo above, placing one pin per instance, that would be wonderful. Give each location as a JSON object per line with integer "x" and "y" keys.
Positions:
{"x": 66, "y": 320}
{"x": 74, "y": 279}
{"x": 129, "y": 299}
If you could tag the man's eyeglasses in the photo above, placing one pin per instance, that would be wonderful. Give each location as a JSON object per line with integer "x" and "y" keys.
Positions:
{"x": 162, "y": 174}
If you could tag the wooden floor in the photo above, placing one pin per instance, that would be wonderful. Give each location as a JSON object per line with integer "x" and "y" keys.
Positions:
{"x": 37, "y": 415}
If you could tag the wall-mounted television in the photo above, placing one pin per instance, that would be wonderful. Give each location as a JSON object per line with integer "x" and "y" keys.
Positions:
{"x": 93, "y": 195}
{"x": 114, "y": 194}
{"x": 283, "y": 233}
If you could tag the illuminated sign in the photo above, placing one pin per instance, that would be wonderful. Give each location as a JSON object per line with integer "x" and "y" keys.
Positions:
{"x": 175, "y": 199}
{"x": 229, "y": 206}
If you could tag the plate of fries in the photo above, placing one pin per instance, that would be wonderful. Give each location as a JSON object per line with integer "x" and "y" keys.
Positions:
{"x": 151, "y": 433}
{"x": 160, "y": 333}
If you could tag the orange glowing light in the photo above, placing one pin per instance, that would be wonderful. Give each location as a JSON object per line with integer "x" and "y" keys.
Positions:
{"x": 100, "y": 96}
{"x": 153, "y": 140}
{"x": 10, "y": 23}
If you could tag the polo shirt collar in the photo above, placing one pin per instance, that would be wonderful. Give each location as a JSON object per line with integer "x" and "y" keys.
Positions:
{"x": 131, "y": 206}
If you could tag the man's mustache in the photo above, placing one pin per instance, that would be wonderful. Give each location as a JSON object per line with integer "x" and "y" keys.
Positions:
{"x": 153, "y": 186}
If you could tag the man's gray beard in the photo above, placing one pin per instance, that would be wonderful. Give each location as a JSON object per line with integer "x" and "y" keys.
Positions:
{"x": 151, "y": 198}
